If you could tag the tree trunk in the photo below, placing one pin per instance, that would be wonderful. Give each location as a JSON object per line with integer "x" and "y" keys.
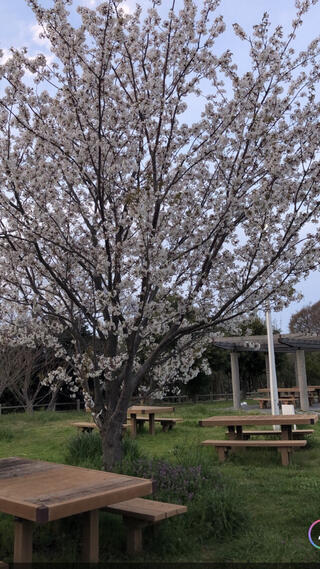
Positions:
{"x": 29, "y": 406}
{"x": 52, "y": 403}
{"x": 111, "y": 440}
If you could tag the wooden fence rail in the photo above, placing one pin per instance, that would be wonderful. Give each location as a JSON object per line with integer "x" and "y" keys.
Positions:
{"x": 77, "y": 404}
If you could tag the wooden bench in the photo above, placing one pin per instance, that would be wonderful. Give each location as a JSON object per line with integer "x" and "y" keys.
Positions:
{"x": 263, "y": 401}
{"x": 284, "y": 447}
{"x": 4, "y": 565}
{"x": 167, "y": 423}
{"x": 297, "y": 433}
{"x": 87, "y": 427}
{"x": 138, "y": 513}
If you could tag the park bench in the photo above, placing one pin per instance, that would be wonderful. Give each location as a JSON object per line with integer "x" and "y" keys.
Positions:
{"x": 88, "y": 427}
{"x": 296, "y": 433}
{"x": 138, "y": 513}
{"x": 264, "y": 401}
{"x": 285, "y": 447}
{"x": 167, "y": 423}
{"x": 4, "y": 565}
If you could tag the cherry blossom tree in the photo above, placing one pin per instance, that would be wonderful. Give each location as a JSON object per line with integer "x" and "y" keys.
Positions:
{"x": 152, "y": 192}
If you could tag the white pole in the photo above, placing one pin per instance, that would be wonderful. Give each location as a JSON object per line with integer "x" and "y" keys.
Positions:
{"x": 272, "y": 367}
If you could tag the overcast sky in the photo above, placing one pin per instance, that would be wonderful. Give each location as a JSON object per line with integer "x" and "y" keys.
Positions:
{"x": 18, "y": 28}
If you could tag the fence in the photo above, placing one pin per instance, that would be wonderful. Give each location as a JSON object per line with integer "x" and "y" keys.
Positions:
{"x": 203, "y": 397}
{"x": 77, "y": 404}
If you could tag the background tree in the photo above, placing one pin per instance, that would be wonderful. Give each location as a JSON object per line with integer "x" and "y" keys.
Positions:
{"x": 27, "y": 366}
{"x": 113, "y": 199}
{"x": 8, "y": 373}
{"x": 307, "y": 320}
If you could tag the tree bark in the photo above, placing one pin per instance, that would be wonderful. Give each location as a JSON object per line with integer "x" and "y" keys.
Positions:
{"x": 110, "y": 420}
{"x": 52, "y": 403}
{"x": 112, "y": 451}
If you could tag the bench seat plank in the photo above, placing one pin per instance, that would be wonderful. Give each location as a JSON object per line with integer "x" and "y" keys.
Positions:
{"x": 149, "y": 510}
{"x": 264, "y": 400}
{"x": 295, "y": 432}
{"x": 167, "y": 423}
{"x": 284, "y": 446}
{"x": 138, "y": 513}
{"x": 159, "y": 419}
{"x": 261, "y": 443}
{"x": 87, "y": 426}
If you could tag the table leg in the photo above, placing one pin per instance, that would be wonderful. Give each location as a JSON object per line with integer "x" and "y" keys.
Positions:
{"x": 239, "y": 432}
{"x": 134, "y": 534}
{"x": 285, "y": 457}
{"x": 151, "y": 424}
{"x": 133, "y": 421}
{"x": 222, "y": 453}
{"x": 140, "y": 425}
{"x": 22, "y": 552}
{"x": 90, "y": 543}
{"x": 286, "y": 432}
{"x": 231, "y": 432}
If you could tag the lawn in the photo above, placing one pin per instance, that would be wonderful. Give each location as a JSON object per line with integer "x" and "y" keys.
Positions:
{"x": 278, "y": 504}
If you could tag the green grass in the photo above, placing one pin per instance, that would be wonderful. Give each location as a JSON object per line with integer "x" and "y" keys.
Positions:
{"x": 279, "y": 503}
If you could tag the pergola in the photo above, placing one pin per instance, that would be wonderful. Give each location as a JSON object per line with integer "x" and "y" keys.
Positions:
{"x": 297, "y": 343}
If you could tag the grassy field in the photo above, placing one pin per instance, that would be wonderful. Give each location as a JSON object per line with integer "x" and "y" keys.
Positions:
{"x": 278, "y": 503}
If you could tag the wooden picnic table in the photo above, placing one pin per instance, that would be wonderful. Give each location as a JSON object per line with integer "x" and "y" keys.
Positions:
{"x": 287, "y": 389}
{"x": 39, "y": 491}
{"x": 234, "y": 423}
{"x": 151, "y": 411}
{"x": 293, "y": 392}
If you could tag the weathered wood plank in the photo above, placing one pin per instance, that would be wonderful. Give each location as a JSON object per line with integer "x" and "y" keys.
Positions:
{"x": 15, "y": 467}
{"x": 149, "y": 409}
{"x": 66, "y": 490}
{"x": 258, "y": 443}
{"x": 283, "y": 446}
{"x": 235, "y": 420}
{"x": 150, "y": 510}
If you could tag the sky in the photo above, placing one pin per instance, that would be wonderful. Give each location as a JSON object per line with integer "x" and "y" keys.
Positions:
{"x": 18, "y": 28}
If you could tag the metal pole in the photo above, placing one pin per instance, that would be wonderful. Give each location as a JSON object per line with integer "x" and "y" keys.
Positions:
{"x": 272, "y": 368}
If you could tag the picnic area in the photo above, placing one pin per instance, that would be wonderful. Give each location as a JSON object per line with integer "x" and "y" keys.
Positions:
{"x": 221, "y": 502}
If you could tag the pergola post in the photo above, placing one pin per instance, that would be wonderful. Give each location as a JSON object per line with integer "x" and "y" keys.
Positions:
{"x": 266, "y": 359}
{"x": 235, "y": 379}
{"x": 296, "y": 370}
{"x": 302, "y": 379}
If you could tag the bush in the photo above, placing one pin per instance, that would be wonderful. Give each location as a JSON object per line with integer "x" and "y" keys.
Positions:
{"x": 85, "y": 450}
{"x": 6, "y": 435}
{"x": 215, "y": 506}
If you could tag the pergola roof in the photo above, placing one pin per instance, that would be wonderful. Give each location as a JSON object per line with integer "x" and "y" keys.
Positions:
{"x": 282, "y": 343}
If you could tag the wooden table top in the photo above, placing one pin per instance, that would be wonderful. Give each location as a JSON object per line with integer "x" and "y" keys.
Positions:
{"x": 234, "y": 420}
{"x": 44, "y": 491}
{"x": 149, "y": 409}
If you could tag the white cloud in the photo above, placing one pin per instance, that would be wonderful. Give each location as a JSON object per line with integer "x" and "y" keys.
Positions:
{"x": 88, "y": 3}
{"x": 6, "y": 54}
{"x": 36, "y": 30}
{"x": 126, "y": 8}
{"x": 94, "y": 3}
